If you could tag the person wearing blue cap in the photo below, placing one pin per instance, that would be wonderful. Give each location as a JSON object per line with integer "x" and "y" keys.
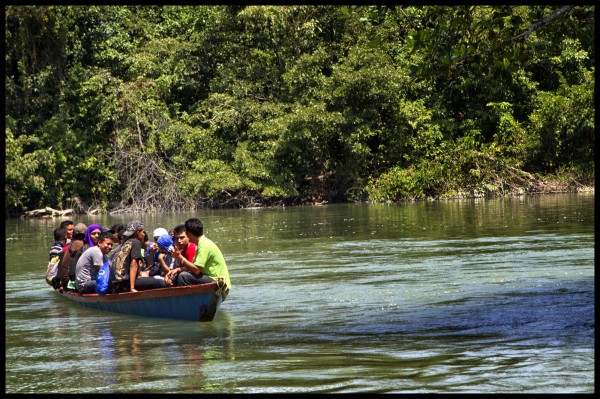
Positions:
{"x": 164, "y": 255}
{"x": 128, "y": 261}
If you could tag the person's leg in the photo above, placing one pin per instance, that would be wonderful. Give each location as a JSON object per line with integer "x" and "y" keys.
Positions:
{"x": 149, "y": 283}
{"x": 89, "y": 287}
{"x": 120, "y": 286}
{"x": 187, "y": 278}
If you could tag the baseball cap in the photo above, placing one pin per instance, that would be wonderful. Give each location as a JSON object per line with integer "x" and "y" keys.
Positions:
{"x": 159, "y": 232}
{"x": 132, "y": 227}
{"x": 166, "y": 241}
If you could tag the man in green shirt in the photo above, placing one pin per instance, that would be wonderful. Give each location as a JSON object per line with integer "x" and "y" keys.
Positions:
{"x": 208, "y": 265}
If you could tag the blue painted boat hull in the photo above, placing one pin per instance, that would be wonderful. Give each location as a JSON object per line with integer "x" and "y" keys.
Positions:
{"x": 196, "y": 302}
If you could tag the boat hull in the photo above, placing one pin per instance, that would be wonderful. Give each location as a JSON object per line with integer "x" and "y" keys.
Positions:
{"x": 195, "y": 302}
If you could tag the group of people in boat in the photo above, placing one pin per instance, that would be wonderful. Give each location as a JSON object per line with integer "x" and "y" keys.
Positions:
{"x": 179, "y": 257}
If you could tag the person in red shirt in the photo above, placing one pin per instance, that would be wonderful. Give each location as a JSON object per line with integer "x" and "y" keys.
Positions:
{"x": 185, "y": 246}
{"x": 183, "y": 243}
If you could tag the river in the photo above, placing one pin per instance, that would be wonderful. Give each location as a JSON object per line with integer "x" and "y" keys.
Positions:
{"x": 459, "y": 296}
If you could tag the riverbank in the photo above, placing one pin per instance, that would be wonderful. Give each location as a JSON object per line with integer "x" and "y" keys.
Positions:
{"x": 245, "y": 200}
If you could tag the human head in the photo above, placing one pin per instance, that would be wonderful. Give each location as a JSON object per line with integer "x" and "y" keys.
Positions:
{"x": 178, "y": 229}
{"x": 118, "y": 229}
{"x": 180, "y": 238}
{"x": 132, "y": 227}
{"x": 165, "y": 243}
{"x": 79, "y": 231}
{"x": 91, "y": 235}
{"x": 105, "y": 241}
{"x": 194, "y": 226}
{"x": 68, "y": 226}
{"x": 135, "y": 229}
{"x": 159, "y": 232}
{"x": 60, "y": 235}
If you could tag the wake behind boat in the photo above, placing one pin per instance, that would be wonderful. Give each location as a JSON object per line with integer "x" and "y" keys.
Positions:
{"x": 195, "y": 302}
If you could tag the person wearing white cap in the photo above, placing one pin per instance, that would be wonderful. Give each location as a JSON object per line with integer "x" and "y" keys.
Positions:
{"x": 128, "y": 262}
{"x": 159, "y": 232}
{"x": 151, "y": 251}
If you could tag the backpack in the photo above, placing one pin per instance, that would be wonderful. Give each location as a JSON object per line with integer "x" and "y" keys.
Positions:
{"x": 103, "y": 278}
{"x": 52, "y": 277}
{"x": 118, "y": 271}
{"x": 73, "y": 264}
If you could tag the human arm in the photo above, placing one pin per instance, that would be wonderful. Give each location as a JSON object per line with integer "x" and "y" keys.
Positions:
{"x": 133, "y": 272}
{"x": 150, "y": 252}
{"x": 163, "y": 264}
{"x": 95, "y": 270}
{"x": 171, "y": 274}
{"x": 136, "y": 260}
{"x": 97, "y": 260}
{"x": 186, "y": 264}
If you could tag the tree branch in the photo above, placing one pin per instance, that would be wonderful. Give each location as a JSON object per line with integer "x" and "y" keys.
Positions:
{"x": 137, "y": 121}
{"x": 543, "y": 22}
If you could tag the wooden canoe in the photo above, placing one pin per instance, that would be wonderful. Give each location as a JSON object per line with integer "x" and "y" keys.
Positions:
{"x": 195, "y": 302}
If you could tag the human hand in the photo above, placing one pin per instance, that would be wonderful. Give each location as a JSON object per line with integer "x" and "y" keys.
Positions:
{"x": 169, "y": 277}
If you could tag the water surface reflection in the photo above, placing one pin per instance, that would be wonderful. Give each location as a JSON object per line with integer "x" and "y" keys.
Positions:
{"x": 457, "y": 296}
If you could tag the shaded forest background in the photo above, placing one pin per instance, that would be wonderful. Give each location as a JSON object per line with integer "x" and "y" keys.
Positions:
{"x": 165, "y": 108}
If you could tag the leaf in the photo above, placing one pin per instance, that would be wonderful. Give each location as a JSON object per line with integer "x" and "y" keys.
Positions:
{"x": 375, "y": 42}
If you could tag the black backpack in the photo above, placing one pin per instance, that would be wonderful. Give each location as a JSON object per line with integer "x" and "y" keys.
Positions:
{"x": 73, "y": 264}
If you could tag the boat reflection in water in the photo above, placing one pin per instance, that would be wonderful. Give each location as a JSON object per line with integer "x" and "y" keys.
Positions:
{"x": 130, "y": 354}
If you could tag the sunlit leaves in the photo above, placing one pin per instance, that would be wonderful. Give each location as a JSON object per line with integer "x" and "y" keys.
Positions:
{"x": 280, "y": 100}
{"x": 212, "y": 177}
{"x": 24, "y": 169}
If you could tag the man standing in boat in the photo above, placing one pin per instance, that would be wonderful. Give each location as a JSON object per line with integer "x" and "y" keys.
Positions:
{"x": 208, "y": 265}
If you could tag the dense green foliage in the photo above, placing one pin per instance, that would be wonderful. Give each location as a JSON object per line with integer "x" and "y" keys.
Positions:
{"x": 172, "y": 107}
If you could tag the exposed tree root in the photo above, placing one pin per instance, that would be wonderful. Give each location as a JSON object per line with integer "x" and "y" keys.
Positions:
{"x": 48, "y": 212}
